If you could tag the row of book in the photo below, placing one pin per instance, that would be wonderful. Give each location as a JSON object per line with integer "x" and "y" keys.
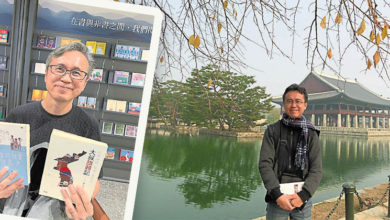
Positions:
{"x": 120, "y": 106}
{"x": 119, "y": 129}
{"x": 3, "y": 62}
{"x": 126, "y": 52}
{"x": 3, "y": 36}
{"x": 86, "y": 102}
{"x": 38, "y": 95}
{"x": 127, "y": 78}
{"x": 124, "y": 155}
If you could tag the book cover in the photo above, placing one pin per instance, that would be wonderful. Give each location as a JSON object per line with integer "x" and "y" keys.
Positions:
{"x": 1, "y": 92}
{"x": 121, "y": 77}
{"x": 15, "y": 149}
{"x": 1, "y": 111}
{"x": 91, "y": 45}
{"x": 119, "y": 129}
{"x": 111, "y": 105}
{"x": 145, "y": 55}
{"x": 133, "y": 53}
{"x": 126, "y": 155}
{"x": 134, "y": 108}
{"x": 120, "y": 51}
{"x": 131, "y": 131}
{"x": 41, "y": 42}
{"x": 120, "y": 106}
{"x": 291, "y": 188}
{"x": 51, "y": 42}
{"x": 137, "y": 79}
{"x": 36, "y": 95}
{"x": 71, "y": 159}
{"x": 107, "y": 127}
{"x": 65, "y": 41}
{"x": 110, "y": 153}
{"x": 3, "y": 36}
{"x": 91, "y": 102}
{"x": 44, "y": 94}
{"x": 101, "y": 48}
{"x": 96, "y": 75}
{"x": 40, "y": 68}
{"x": 3, "y": 62}
{"x": 82, "y": 101}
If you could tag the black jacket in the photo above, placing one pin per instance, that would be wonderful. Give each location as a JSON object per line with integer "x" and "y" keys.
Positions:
{"x": 277, "y": 157}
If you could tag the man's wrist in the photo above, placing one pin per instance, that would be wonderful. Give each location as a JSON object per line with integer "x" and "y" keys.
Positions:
{"x": 304, "y": 195}
{"x": 276, "y": 193}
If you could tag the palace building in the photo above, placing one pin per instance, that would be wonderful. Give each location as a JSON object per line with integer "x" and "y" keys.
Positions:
{"x": 335, "y": 101}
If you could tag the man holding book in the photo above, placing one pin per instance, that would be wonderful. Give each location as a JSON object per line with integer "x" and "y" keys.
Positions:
{"x": 290, "y": 155}
{"x": 67, "y": 73}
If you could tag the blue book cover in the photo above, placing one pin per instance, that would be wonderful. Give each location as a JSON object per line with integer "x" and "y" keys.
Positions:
{"x": 15, "y": 150}
{"x": 126, "y": 155}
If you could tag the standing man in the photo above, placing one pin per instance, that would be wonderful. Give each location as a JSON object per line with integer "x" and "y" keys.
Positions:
{"x": 291, "y": 153}
{"x": 67, "y": 73}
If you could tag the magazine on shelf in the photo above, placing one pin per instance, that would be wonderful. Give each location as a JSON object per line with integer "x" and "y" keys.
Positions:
{"x": 91, "y": 45}
{"x": 291, "y": 188}
{"x": 126, "y": 155}
{"x": 133, "y": 53}
{"x": 137, "y": 79}
{"x": 107, "y": 127}
{"x": 82, "y": 101}
{"x": 91, "y": 102}
{"x": 51, "y": 42}
{"x": 71, "y": 159}
{"x": 111, "y": 105}
{"x": 121, "y": 77}
{"x": 41, "y": 42}
{"x": 3, "y": 35}
{"x": 40, "y": 68}
{"x": 131, "y": 131}
{"x": 134, "y": 108}
{"x": 120, "y": 51}
{"x": 36, "y": 95}
{"x": 101, "y": 48}
{"x": 3, "y": 62}
{"x": 96, "y": 75}
{"x": 15, "y": 149}
{"x": 44, "y": 94}
{"x": 110, "y": 153}
{"x": 119, "y": 129}
{"x": 145, "y": 55}
{"x": 1, "y": 92}
{"x": 120, "y": 106}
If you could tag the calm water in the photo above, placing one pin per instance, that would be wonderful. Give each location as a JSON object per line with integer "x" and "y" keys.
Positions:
{"x": 208, "y": 177}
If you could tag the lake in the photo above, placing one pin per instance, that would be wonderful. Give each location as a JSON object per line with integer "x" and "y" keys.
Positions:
{"x": 210, "y": 177}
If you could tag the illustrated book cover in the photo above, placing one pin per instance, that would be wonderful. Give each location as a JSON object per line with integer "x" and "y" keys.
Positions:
{"x": 126, "y": 155}
{"x": 134, "y": 108}
{"x": 133, "y": 53}
{"x": 71, "y": 159}
{"x": 131, "y": 131}
{"x": 101, "y": 48}
{"x": 15, "y": 149}
{"x": 137, "y": 79}
{"x": 51, "y": 42}
{"x": 111, "y": 105}
{"x": 82, "y": 101}
{"x": 121, "y": 77}
{"x": 120, "y": 106}
{"x": 3, "y": 35}
{"x": 120, "y": 51}
{"x": 119, "y": 129}
{"x": 110, "y": 153}
{"x": 96, "y": 75}
{"x": 91, "y": 102}
{"x": 107, "y": 127}
{"x": 36, "y": 95}
{"x": 41, "y": 42}
{"x": 91, "y": 45}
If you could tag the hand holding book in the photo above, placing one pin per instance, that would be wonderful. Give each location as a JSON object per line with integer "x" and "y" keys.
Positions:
{"x": 7, "y": 189}
{"x": 83, "y": 206}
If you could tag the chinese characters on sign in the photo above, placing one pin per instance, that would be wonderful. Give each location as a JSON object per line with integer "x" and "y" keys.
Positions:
{"x": 111, "y": 25}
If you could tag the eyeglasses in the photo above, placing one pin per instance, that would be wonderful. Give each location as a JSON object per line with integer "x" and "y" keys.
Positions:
{"x": 298, "y": 101}
{"x": 61, "y": 71}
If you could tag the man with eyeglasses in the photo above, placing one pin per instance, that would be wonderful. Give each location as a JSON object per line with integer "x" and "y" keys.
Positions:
{"x": 291, "y": 153}
{"x": 67, "y": 74}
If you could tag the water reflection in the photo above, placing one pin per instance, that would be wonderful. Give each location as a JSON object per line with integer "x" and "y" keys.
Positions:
{"x": 214, "y": 169}
{"x": 206, "y": 177}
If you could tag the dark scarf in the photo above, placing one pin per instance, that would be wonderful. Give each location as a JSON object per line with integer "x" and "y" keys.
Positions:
{"x": 301, "y": 159}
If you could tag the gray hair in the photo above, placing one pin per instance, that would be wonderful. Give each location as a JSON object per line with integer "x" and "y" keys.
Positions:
{"x": 76, "y": 46}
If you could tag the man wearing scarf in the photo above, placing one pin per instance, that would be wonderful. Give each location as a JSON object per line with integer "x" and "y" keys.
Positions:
{"x": 291, "y": 153}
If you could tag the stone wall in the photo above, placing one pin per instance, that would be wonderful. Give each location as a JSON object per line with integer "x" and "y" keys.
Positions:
{"x": 355, "y": 131}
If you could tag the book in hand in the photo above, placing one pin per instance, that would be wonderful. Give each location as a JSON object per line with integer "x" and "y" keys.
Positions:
{"x": 3, "y": 35}
{"x": 126, "y": 155}
{"x": 137, "y": 79}
{"x": 71, "y": 159}
{"x": 291, "y": 188}
{"x": 15, "y": 150}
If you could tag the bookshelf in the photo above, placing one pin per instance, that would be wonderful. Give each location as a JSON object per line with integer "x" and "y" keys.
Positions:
{"x": 102, "y": 90}
{"x": 5, "y": 62}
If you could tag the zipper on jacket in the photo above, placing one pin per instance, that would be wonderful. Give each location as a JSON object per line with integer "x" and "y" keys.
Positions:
{"x": 291, "y": 147}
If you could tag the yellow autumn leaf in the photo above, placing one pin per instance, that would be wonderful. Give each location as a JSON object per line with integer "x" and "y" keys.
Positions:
{"x": 197, "y": 42}
{"x": 361, "y": 28}
{"x": 338, "y": 18}
{"x": 235, "y": 39}
{"x": 213, "y": 18}
{"x": 191, "y": 40}
{"x": 221, "y": 49}
{"x": 209, "y": 83}
{"x": 323, "y": 22}
{"x": 330, "y": 55}
{"x": 377, "y": 57}
{"x": 369, "y": 64}
{"x": 386, "y": 25}
{"x": 161, "y": 59}
{"x": 378, "y": 39}
{"x": 219, "y": 28}
{"x": 225, "y": 4}
{"x": 384, "y": 33}
{"x": 372, "y": 36}
{"x": 234, "y": 12}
